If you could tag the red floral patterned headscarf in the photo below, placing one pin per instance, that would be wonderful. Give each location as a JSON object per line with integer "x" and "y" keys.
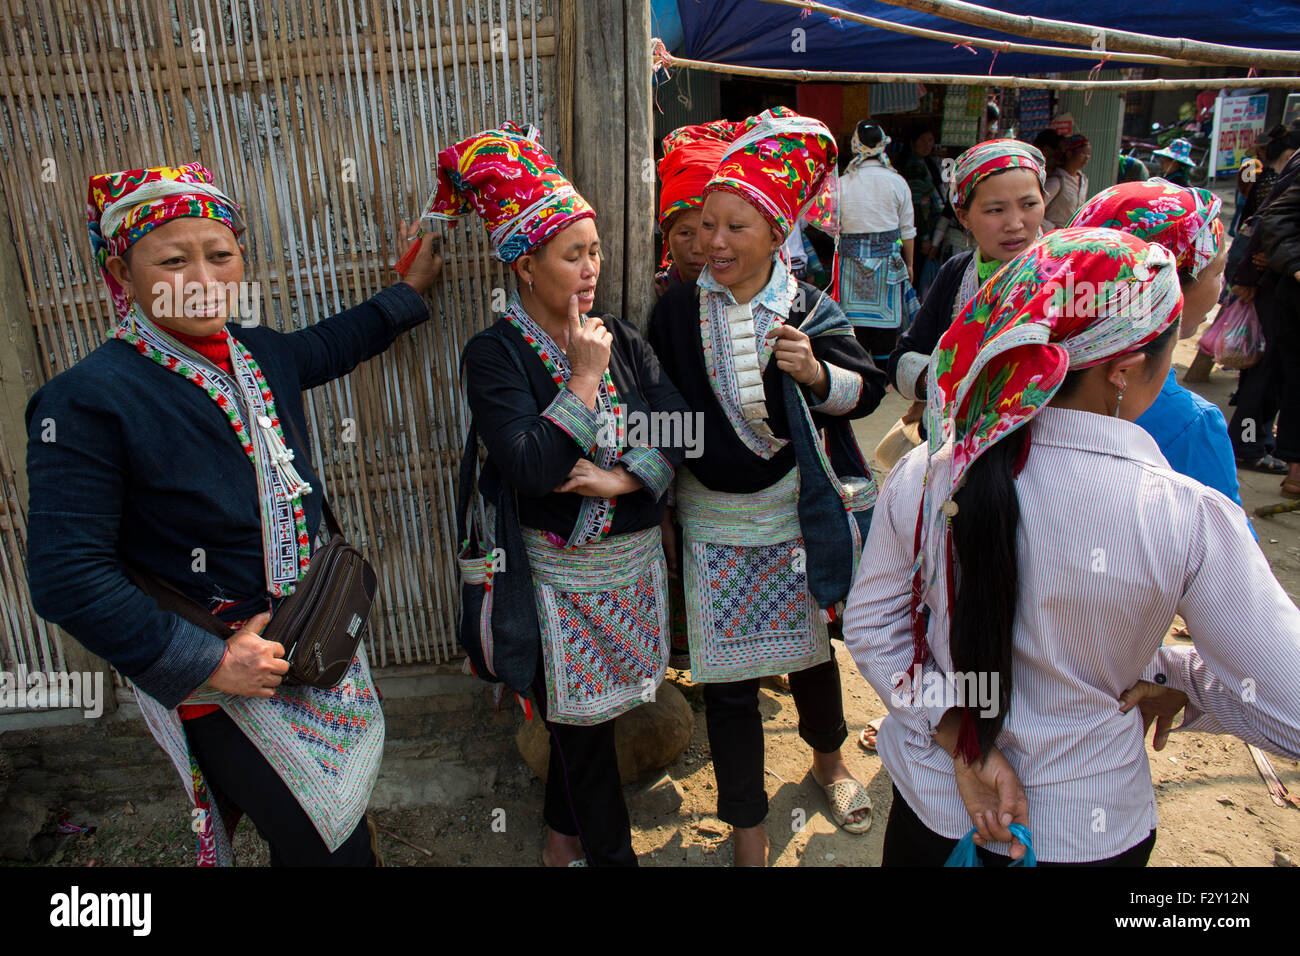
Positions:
{"x": 1182, "y": 219}
{"x": 124, "y": 206}
{"x": 506, "y": 177}
{"x": 1070, "y": 143}
{"x": 993, "y": 156}
{"x": 784, "y": 165}
{"x": 1074, "y": 299}
{"x": 691, "y": 154}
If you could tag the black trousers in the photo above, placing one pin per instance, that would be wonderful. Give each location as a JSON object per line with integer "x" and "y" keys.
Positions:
{"x": 238, "y": 777}
{"x": 1262, "y": 388}
{"x": 736, "y": 735}
{"x": 877, "y": 342}
{"x": 909, "y": 842}
{"x": 584, "y": 795}
{"x": 1284, "y": 304}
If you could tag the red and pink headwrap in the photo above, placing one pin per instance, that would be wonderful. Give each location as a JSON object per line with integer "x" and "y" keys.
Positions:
{"x": 1072, "y": 142}
{"x": 691, "y": 155}
{"x": 122, "y": 207}
{"x": 990, "y": 157}
{"x": 506, "y": 177}
{"x": 1182, "y": 219}
{"x": 784, "y": 165}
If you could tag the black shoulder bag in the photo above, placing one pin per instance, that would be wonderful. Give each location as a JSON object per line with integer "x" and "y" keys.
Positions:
{"x": 320, "y": 624}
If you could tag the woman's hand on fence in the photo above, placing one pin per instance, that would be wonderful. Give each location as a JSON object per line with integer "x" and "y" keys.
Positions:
{"x": 1156, "y": 702}
{"x": 590, "y": 480}
{"x": 252, "y": 667}
{"x": 427, "y": 263}
{"x": 994, "y": 799}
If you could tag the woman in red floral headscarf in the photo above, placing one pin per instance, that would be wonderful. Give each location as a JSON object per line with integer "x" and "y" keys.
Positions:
{"x": 772, "y": 367}
{"x": 1022, "y": 569}
{"x": 1067, "y": 187}
{"x": 1191, "y": 431}
{"x": 574, "y": 478}
{"x": 691, "y": 154}
{"x": 179, "y": 455}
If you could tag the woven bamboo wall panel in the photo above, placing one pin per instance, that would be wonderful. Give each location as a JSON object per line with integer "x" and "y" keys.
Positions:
{"x": 322, "y": 119}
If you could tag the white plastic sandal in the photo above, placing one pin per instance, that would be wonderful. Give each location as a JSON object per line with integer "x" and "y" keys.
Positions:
{"x": 845, "y": 797}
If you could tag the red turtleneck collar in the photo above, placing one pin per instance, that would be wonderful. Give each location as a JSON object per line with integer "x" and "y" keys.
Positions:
{"x": 211, "y": 347}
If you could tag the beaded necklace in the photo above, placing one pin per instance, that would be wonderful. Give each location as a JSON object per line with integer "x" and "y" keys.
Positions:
{"x": 286, "y": 544}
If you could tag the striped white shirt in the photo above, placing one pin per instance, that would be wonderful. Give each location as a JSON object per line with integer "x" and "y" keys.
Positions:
{"x": 1111, "y": 544}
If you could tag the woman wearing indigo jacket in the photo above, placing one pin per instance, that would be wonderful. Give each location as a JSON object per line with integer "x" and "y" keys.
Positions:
{"x": 559, "y": 399}
{"x": 770, "y": 366}
{"x": 169, "y": 450}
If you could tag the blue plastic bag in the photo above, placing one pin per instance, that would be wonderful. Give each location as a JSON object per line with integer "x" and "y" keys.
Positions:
{"x": 963, "y": 854}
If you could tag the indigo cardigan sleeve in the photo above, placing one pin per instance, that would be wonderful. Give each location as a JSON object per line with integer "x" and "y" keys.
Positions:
{"x": 79, "y": 481}
{"x": 856, "y": 384}
{"x": 335, "y": 346}
{"x": 532, "y": 452}
{"x": 911, "y": 356}
{"x": 655, "y": 462}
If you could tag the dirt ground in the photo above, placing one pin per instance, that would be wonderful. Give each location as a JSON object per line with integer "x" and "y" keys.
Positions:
{"x": 1214, "y": 808}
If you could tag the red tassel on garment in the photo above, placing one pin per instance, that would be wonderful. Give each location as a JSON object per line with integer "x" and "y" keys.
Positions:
{"x": 835, "y": 273}
{"x": 404, "y": 264}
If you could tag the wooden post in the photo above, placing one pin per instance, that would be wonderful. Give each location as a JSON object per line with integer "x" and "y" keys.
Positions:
{"x": 638, "y": 242}
{"x": 612, "y": 161}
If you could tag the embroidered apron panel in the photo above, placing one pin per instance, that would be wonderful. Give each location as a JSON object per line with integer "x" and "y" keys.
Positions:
{"x": 603, "y": 611}
{"x": 874, "y": 290}
{"x": 326, "y": 745}
{"x": 749, "y": 611}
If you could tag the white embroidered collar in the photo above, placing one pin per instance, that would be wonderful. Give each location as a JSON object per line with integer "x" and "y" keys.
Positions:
{"x": 777, "y": 296}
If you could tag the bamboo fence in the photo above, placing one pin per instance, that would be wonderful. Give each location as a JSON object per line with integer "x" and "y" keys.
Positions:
{"x": 322, "y": 118}
{"x": 31, "y": 645}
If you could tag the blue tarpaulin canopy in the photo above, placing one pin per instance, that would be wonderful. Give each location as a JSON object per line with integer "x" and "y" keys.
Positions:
{"x": 753, "y": 33}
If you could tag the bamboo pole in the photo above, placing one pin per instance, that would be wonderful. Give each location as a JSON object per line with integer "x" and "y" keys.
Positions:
{"x": 1103, "y": 39}
{"x": 999, "y": 46}
{"x": 1007, "y": 82}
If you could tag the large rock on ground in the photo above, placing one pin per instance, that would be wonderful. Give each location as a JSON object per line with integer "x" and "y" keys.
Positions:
{"x": 647, "y": 738}
{"x": 22, "y": 818}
